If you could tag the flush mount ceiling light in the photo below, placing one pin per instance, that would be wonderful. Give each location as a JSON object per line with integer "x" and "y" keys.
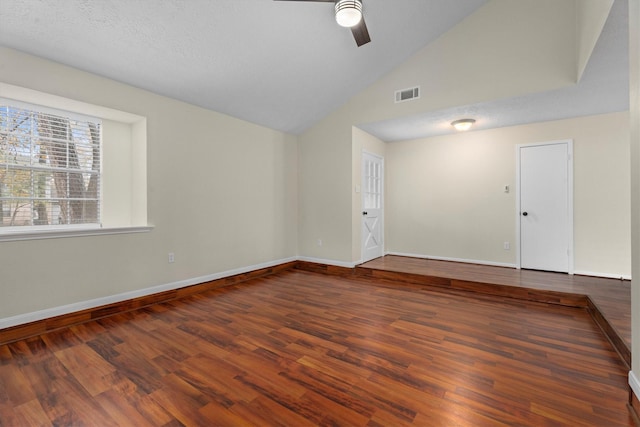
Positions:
{"x": 348, "y": 13}
{"x": 463, "y": 124}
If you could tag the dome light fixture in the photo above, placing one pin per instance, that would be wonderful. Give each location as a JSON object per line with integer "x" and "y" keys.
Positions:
{"x": 348, "y": 13}
{"x": 463, "y": 124}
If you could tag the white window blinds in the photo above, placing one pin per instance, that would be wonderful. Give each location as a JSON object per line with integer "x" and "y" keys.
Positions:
{"x": 49, "y": 167}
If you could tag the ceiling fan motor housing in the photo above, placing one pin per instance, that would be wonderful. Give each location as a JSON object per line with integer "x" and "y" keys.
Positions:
{"x": 348, "y": 12}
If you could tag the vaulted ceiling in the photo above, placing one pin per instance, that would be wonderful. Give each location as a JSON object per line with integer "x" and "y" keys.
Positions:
{"x": 285, "y": 64}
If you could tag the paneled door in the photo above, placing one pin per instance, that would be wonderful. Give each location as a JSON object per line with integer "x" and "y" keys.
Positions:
{"x": 545, "y": 210}
{"x": 372, "y": 206}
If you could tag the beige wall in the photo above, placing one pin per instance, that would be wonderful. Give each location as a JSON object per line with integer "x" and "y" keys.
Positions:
{"x": 497, "y": 52}
{"x": 117, "y": 175}
{"x": 324, "y": 194}
{"x": 445, "y": 195}
{"x": 221, "y": 194}
{"x": 473, "y": 62}
{"x": 591, "y": 16}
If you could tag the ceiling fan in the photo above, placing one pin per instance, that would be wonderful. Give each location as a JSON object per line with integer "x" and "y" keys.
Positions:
{"x": 349, "y": 14}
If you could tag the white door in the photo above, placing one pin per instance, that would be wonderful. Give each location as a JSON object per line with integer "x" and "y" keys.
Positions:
{"x": 545, "y": 210}
{"x": 372, "y": 185}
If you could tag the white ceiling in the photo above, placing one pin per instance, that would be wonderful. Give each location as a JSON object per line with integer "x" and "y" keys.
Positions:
{"x": 285, "y": 64}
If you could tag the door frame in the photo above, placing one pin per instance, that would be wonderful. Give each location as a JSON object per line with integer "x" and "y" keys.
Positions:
{"x": 569, "y": 144}
{"x": 382, "y": 189}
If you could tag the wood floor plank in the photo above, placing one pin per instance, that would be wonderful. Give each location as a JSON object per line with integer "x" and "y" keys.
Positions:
{"x": 74, "y": 406}
{"x": 8, "y": 415}
{"x": 151, "y": 410}
{"x": 43, "y": 378}
{"x": 89, "y": 369}
{"x": 611, "y": 296}
{"x": 331, "y": 387}
{"x": 122, "y": 411}
{"x": 264, "y": 411}
{"x": 17, "y": 388}
{"x": 302, "y": 348}
{"x": 224, "y": 389}
{"x": 183, "y": 407}
{"x": 221, "y": 416}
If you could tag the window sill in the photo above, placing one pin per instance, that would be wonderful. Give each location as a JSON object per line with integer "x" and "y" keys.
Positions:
{"x": 75, "y": 232}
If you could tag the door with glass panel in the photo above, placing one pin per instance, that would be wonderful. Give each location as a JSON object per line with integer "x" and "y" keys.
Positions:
{"x": 372, "y": 203}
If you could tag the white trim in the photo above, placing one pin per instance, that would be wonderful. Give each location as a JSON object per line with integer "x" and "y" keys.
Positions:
{"x": 467, "y": 261}
{"x": 111, "y": 299}
{"x": 634, "y": 383}
{"x": 570, "y": 185}
{"x": 603, "y": 275}
{"x": 59, "y": 233}
{"x": 570, "y": 190}
{"x": 21, "y": 319}
{"x": 508, "y": 265}
{"x": 518, "y": 219}
{"x": 328, "y": 262}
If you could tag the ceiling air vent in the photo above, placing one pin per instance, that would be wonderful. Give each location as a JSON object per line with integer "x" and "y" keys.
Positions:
{"x": 408, "y": 94}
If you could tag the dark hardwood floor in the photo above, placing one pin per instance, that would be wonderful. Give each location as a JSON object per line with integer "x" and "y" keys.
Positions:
{"x": 609, "y": 298}
{"x": 300, "y": 348}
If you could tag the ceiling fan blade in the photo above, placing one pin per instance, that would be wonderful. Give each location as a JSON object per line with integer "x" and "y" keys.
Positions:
{"x": 360, "y": 33}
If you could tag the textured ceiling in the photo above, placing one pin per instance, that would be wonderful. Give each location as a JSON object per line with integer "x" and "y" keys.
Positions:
{"x": 286, "y": 65}
{"x": 280, "y": 64}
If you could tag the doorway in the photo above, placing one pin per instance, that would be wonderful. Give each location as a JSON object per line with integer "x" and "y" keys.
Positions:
{"x": 545, "y": 206}
{"x": 372, "y": 206}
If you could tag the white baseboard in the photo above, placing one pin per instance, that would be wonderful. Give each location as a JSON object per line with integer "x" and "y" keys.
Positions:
{"x": 603, "y": 275}
{"x": 328, "y": 262}
{"x": 21, "y": 319}
{"x": 634, "y": 383}
{"x": 467, "y": 261}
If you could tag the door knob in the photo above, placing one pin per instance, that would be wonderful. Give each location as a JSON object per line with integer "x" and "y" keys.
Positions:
{"x": 525, "y": 213}
{"x": 365, "y": 213}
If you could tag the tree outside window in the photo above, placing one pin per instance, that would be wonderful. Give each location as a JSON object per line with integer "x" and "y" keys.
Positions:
{"x": 49, "y": 167}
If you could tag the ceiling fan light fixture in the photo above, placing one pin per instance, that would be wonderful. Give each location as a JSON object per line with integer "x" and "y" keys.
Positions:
{"x": 348, "y": 13}
{"x": 463, "y": 124}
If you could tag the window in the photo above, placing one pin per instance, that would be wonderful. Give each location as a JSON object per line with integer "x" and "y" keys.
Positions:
{"x": 69, "y": 168}
{"x": 50, "y": 167}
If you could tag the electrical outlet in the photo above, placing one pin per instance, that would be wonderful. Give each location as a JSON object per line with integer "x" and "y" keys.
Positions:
{"x": 507, "y": 246}
{"x": 319, "y": 242}
{"x": 172, "y": 257}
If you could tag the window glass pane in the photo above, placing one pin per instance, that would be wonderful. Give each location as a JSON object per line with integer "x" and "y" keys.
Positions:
{"x": 49, "y": 168}
{"x": 16, "y": 212}
{"x": 17, "y": 183}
